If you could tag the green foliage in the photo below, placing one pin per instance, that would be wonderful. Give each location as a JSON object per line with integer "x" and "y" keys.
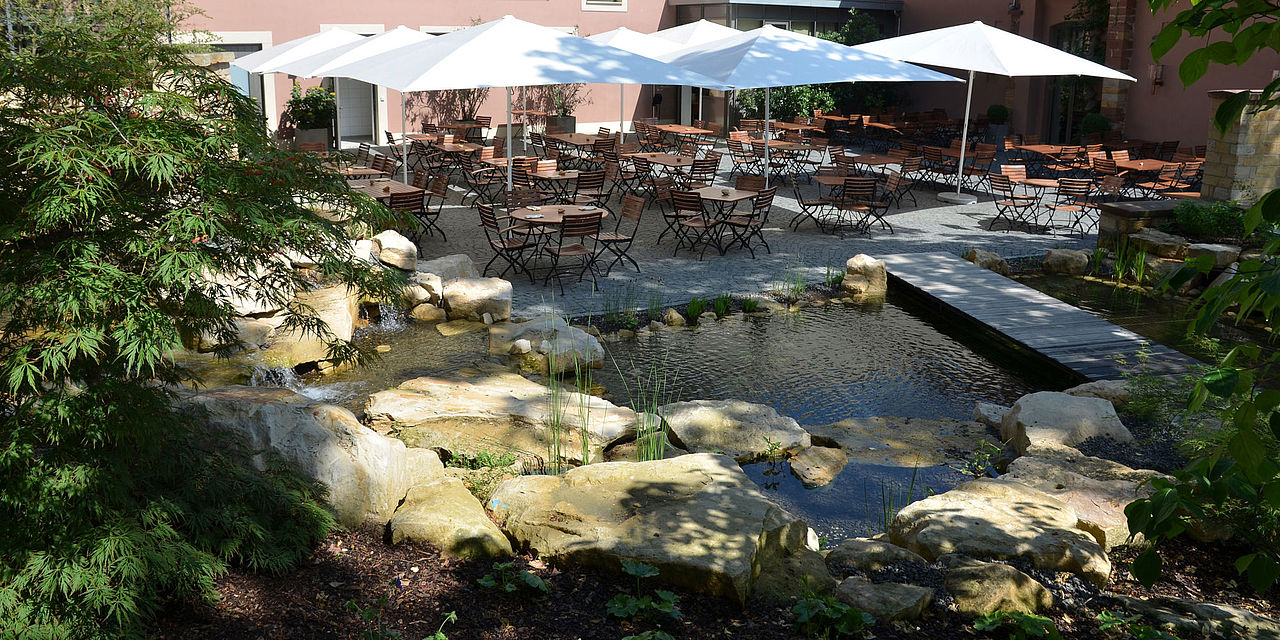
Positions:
{"x": 893, "y": 499}
{"x": 651, "y": 635}
{"x": 131, "y": 175}
{"x": 979, "y": 464}
{"x": 835, "y": 276}
{"x": 374, "y": 627}
{"x": 1095, "y": 123}
{"x": 505, "y": 578}
{"x": 861, "y": 97}
{"x": 785, "y": 103}
{"x": 694, "y": 308}
{"x": 750, "y": 305}
{"x": 1131, "y": 262}
{"x": 314, "y": 109}
{"x": 451, "y": 617}
{"x": 1095, "y": 261}
{"x": 1017, "y": 626}
{"x": 1130, "y": 627}
{"x": 771, "y": 447}
{"x": 722, "y": 304}
{"x": 998, "y": 114}
{"x": 825, "y": 618}
{"x": 655, "y": 608}
{"x": 482, "y": 460}
{"x": 1209, "y": 219}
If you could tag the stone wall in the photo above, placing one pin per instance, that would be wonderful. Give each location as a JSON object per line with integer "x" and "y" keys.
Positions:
{"x": 1119, "y": 54}
{"x": 218, "y": 61}
{"x": 1243, "y": 163}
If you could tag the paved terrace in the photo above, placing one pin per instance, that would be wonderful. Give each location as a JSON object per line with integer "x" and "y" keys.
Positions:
{"x": 929, "y": 226}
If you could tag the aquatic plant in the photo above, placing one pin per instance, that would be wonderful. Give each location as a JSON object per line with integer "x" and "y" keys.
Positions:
{"x": 649, "y": 392}
{"x": 694, "y": 308}
{"x": 892, "y": 499}
{"x": 722, "y": 304}
{"x": 749, "y": 305}
{"x": 835, "y": 276}
{"x": 655, "y": 304}
{"x": 978, "y": 465}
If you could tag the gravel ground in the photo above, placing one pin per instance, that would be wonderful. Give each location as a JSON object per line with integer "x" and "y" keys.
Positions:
{"x": 928, "y": 227}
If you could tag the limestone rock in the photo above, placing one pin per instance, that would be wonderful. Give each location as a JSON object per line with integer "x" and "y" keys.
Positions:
{"x": 865, "y": 554}
{"x": 1159, "y": 243}
{"x": 988, "y": 260}
{"x": 471, "y": 298}
{"x": 818, "y": 466}
{"x": 1227, "y": 274}
{"x": 366, "y": 473}
{"x": 1096, "y": 489}
{"x": 1219, "y": 621}
{"x": 339, "y": 309}
{"x": 989, "y": 414}
{"x": 1223, "y": 254}
{"x": 362, "y": 250}
{"x": 698, "y": 518}
{"x": 885, "y": 601}
{"x": 865, "y": 276}
{"x": 445, "y": 514}
{"x": 550, "y": 336}
{"x": 999, "y": 520}
{"x": 1051, "y": 417}
{"x": 902, "y": 442}
{"x": 707, "y": 317}
{"x": 427, "y": 313}
{"x": 459, "y": 327}
{"x": 395, "y": 250}
{"x": 741, "y": 430}
{"x": 981, "y": 587}
{"x": 413, "y": 295}
{"x": 424, "y": 466}
{"x": 1070, "y": 262}
{"x": 432, "y": 283}
{"x": 498, "y": 411}
{"x": 1114, "y": 391}
{"x": 673, "y": 318}
{"x": 784, "y": 579}
{"x": 450, "y": 267}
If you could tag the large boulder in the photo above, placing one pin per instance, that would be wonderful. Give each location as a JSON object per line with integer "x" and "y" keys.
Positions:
{"x": 1096, "y": 489}
{"x": 554, "y": 346}
{"x": 450, "y": 267}
{"x": 395, "y": 250}
{"x": 885, "y": 601}
{"x": 818, "y": 466}
{"x": 497, "y": 411}
{"x": 1072, "y": 262}
{"x": 784, "y": 579}
{"x": 471, "y": 298}
{"x": 698, "y": 518}
{"x": 1114, "y": 391}
{"x": 443, "y": 513}
{"x": 1223, "y": 254}
{"x": 366, "y": 473}
{"x": 865, "y": 276}
{"x": 337, "y": 306}
{"x": 1051, "y": 417}
{"x": 989, "y": 414}
{"x": 981, "y": 587}
{"x": 988, "y": 260}
{"x": 1159, "y": 243}
{"x": 740, "y": 430}
{"x": 1217, "y": 621}
{"x": 1000, "y": 520}
{"x": 865, "y": 554}
{"x": 903, "y": 442}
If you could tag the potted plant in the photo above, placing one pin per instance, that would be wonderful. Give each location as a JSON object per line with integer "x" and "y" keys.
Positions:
{"x": 565, "y": 98}
{"x": 309, "y": 115}
{"x": 1094, "y": 123}
{"x": 998, "y": 123}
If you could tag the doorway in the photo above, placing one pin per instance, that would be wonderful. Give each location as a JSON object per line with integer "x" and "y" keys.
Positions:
{"x": 357, "y": 118}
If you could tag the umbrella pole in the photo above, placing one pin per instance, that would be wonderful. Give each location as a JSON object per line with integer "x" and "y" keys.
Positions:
{"x": 509, "y": 139}
{"x": 404, "y": 150}
{"x": 766, "y": 137}
{"x": 699, "y": 103}
{"x": 957, "y": 197}
{"x": 337, "y": 113}
{"x": 621, "y": 114}
{"x": 524, "y": 118}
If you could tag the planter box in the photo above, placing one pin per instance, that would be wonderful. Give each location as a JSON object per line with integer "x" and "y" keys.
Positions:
{"x": 996, "y": 134}
{"x": 570, "y": 123}
{"x": 1116, "y": 220}
{"x": 311, "y": 135}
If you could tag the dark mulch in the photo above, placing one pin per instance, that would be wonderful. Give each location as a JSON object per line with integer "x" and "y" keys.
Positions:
{"x": 1195, "y": 571}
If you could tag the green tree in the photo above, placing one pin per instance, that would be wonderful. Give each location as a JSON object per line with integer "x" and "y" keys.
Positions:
{"x": 1235, "y": 485}
{"x": 131, "y": 178}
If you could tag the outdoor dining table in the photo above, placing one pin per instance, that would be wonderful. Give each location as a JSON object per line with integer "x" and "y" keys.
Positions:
{"x": 671, "y": 163}
{"x": 682, "y": 130}
{"x": 790, "y": 126}
{"x": 574, "y": 139}
{"x": 831, "y": 182}
{"x": 560, "y": 183}
{"x": 551, "y": 214}
{"x": 724, "y": 199}
{"x": 353, "y": 172}
{"x": 382, "y": 188}
{"x": 501, "y": 161}
{"x": 865, "y": 163}
{"x": 1147, "y": 164}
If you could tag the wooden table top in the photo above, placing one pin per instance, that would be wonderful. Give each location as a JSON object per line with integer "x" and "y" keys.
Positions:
{"x": 725, "y": 194}
{"x": 501, "y": 161}
{"x": 551, "y": 214}
{"x": 359, "y": 171}
{"x": 835, "y": 118}
{"x": 1040, "y": 183}
{"x": 830, "y": 181}
{"x": 1147, "y": 164}
{"x": 790, "y": 126}
{"x": 571, "y": 174}
{"x": 461, "y": 125}
{"x": 382, "y": 188}
{"x": 1045, "y": 149}
{"x": 664, "y": 159}
{"x": 682, "y": 129}
{"x": 787, "y": 145}
{"x": 575, "y": 139}
{"x": 458, "y": 147}
{"x": 874, "y": 159}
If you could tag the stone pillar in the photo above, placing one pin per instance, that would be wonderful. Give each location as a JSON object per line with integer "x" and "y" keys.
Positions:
{"x": 1243, "y": 163}
{"x": 1119, "y": 55}
{"x": 218, "y": 61}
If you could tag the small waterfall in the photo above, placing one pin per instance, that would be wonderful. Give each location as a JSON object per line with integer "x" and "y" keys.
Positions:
{"x": 391, "y": 319}
{"x": 286, "y": 377}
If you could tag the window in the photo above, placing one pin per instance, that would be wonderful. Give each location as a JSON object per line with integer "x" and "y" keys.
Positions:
{"x": 747, "y": 24}
{"x": 802, "y": 26}
{"x": 604, "y": 5}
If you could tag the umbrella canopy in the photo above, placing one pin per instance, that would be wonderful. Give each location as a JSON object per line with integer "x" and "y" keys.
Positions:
{"x": 269, "y": 60}
{"x": 320, "y": 64}
{"x": 985, "y": 49}
{"x": 511, "y": 53}
{"x": 694, "y": 33}
{"x": 773, "y": 57}
{"x": 648, "y": 45}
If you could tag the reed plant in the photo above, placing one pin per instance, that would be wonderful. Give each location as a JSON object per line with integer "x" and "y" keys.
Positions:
{"x": 892, "y": 499}
{"x": 648, "y": 391}
{"x": 694, "y": 308}
{"x": 722, "y": 304}
{"x": 750, "y": 305}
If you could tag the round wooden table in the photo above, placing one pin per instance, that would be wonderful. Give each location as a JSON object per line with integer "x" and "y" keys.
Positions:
{"x": 551, "y": 214}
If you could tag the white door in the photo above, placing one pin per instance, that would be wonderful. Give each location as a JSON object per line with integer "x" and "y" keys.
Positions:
{"x": 355, "y": 109}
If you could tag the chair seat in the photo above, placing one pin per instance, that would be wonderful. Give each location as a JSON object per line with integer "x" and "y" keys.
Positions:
{"x": 742, "y": 221}
{"x": 612, "y": 236}
{"x": 697, "y": 223}
{"x": 1016, "y": 202}
{"x": 508, "y": 244}
{"x": 570, "y": 250}
{"x": 1065, "y": 207}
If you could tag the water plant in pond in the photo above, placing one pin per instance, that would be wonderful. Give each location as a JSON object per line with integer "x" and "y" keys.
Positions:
{"x": 1131, "y": 261}
{"x": 1095, "y": 261}
{"x": 750, "y": 305}
{"x": 1017, "y": 626}
{"x": 655, "y": 303}
{"x": 694, "y": 308}
{"x": 979, "y": 463}
{"x": 835, "y": 276}
{"x": 722, "y": 304}
{"x": 825, "y": 618}
{"x": 661, "y": 605}
{"x": 648, "y": 391}
{"x": 584, "y": 380}
{"x": 505, "y": 578}
{"x": 893, "y": 499}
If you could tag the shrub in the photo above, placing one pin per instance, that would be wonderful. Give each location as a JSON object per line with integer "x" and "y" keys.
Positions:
{"x": 314, "y": 109}
{"x": 1095, "y": 123}
{"x": 1209, "y": 219}
{"x": 998, "y": 114}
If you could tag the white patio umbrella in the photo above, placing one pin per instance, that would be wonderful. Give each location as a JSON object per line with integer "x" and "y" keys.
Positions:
{"x": 320, "y": 65}
{"x": 694, "y": 33}
{"x": 771, "y": 57}
{"x": 511, "y": 53}
{"x": 639, "y": 43}
{"x": 976, "y": 47}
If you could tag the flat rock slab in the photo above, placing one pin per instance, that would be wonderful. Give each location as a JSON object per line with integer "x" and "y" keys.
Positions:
{"x": 1212, "y": 620}
{"x": 741, "y": 430}
{"x": 459, "y": 327}
{"x": 981, "y": 587}
{"x": 1055, "y": 418}
{"x": 903, "y": 442}
{"x": 886, "y": 600}
{"x": 1000, "y": 520}
{"x": 865, "y": 554}
{"x": 497, "y": 411}
{"x": 818, "y": 466}
{"x": 445, "y": 514}
{"x": 698, "y": 518}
